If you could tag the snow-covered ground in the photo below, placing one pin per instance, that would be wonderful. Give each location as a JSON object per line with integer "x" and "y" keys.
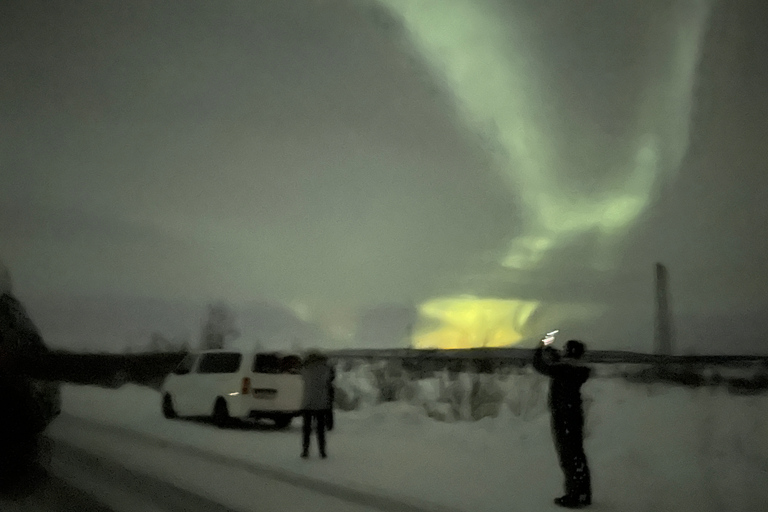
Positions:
{"x": 650, "y": 448}
{"x": 130, "y": 472}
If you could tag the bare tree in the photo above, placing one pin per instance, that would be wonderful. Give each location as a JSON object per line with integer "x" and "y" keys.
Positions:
{"x": 219, "y": 327}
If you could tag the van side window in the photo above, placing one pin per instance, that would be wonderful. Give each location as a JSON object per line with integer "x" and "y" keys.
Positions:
{"x": 266, "y": 363}
{"x": 185, "y": 366}
{"x": 220, "y": 362}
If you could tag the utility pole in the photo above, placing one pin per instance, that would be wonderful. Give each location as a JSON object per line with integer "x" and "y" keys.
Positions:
{"x": 663, "y": 323}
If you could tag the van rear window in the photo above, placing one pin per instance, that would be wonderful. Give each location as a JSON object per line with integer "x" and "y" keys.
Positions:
{"x": 220, "y": 362}
{"x": 266, "y": 363}
{"x": 273, "y": 363}
{"x": 292, "y": 364}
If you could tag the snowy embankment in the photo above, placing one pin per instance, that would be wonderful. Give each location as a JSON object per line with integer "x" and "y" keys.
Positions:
{"x": 650, "y": 447}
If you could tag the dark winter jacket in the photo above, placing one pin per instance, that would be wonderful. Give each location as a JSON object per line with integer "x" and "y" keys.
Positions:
{"x": 318, "y": 378}
{"x": 30, "y": 402}
{"x": 20, "y": 341}
{"x": 564, "y": 388}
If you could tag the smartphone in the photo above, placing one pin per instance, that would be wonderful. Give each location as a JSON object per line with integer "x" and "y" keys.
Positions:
{"x": 550, "y": 337}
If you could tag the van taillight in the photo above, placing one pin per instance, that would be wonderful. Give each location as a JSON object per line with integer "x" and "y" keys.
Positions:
{"x": 246, "y": 386}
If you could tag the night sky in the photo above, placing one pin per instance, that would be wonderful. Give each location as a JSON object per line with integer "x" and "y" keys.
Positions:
{"x": 513, "y": 164}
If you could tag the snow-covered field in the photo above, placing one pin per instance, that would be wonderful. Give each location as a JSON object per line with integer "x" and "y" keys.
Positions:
{"x": 650, "y": 448}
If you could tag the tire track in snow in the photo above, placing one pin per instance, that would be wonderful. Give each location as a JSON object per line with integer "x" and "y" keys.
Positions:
{"x": 119, "y": 484}
{"x": 365, "y": 498}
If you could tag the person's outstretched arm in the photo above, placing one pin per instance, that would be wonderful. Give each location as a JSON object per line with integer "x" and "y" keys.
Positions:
{"x": 540, "y": 363}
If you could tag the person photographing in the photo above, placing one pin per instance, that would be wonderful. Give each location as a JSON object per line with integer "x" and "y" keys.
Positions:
{"x": 567, "y": 376}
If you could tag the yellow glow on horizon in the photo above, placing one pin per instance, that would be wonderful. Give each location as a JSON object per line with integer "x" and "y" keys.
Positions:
{"x": 468, "y": 322}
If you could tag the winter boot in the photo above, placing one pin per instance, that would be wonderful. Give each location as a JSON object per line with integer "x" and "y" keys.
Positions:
{"x": 573, "y": 501}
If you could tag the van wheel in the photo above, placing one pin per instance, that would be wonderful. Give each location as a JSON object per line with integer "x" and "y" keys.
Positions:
{"x": 168, "y": 410}
{"x": 221, "y": 413}
{"x": 282, "y": 422}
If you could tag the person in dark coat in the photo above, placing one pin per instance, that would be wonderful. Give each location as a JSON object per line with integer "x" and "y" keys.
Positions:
{"x": 317, "y": 376}
{"x": 331, "y": 400}
{"x": 567, "y": 377}
{"x": 27, "y": 404}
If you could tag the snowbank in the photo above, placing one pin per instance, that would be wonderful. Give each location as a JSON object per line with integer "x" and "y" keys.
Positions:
{"x": 650, "y": 447}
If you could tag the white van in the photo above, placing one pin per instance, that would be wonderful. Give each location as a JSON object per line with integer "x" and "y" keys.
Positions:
{"x": 225, "y": 384}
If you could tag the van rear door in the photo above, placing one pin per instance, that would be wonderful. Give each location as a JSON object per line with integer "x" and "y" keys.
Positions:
{"x": 276, "y": 382}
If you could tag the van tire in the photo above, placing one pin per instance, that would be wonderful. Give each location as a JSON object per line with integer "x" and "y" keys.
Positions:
{"x": 168, "y": 410}
{"x": 221, "y": 413}
{"x": 282, "y": 422}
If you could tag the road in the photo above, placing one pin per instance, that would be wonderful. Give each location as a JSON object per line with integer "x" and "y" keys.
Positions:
{"x": 48, "y": 493}
{"x": 77, "y": 480}
{"x": 155, "y": 476}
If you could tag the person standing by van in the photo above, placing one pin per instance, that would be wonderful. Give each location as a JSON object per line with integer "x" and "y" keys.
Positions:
{"x": 331, "y": 400}
{"x": 317, "y": 376}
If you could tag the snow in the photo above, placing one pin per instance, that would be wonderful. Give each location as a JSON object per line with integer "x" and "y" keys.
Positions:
{"x": 650, "y": 447}
{"x": 112, "y": 495}
{"x": 159, "y": 476}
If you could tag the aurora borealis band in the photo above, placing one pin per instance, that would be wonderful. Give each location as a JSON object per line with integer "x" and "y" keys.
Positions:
{"x": 382, "y": 172}
{"x": 485, "y": 56}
